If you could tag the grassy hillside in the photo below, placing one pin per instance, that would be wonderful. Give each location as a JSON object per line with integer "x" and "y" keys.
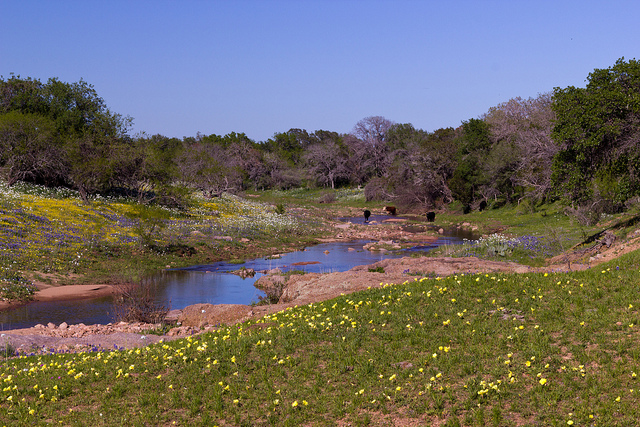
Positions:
{"x": 504, "y": 349}
{"x": 473, "y": 350}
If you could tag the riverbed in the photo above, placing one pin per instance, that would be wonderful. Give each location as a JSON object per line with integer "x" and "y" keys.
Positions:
{"x": 214, "y": 283}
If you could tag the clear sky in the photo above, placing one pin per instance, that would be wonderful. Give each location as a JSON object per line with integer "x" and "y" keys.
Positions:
{"x": 265, "y": 66}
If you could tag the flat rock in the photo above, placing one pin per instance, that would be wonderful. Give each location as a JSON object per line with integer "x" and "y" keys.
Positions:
{"x": 201, "y": 315}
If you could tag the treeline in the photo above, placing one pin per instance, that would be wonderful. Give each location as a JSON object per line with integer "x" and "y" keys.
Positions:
{"x": 581, "y": 145}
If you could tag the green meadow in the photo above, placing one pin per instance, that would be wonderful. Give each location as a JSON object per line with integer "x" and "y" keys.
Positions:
{"x": 557, "y": 348}
{"x": 472, "y": 350}
{"x": 52, "y": 236}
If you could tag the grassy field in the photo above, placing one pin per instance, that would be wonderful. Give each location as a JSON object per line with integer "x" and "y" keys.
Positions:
{"x": 532, "y": 236}
{"x": 473, "y": 350}
{"x": 465, "y": 350}
{"x": 51, "y": 235}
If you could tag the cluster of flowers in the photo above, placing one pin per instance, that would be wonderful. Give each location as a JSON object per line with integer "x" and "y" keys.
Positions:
{"x": 52, "y": 230}
{"x": 499, "y": 244}
{"x": 237, "y": 216}
{"x": 224, "y": 354}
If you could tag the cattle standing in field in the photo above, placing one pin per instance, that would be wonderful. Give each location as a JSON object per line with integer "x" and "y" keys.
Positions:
{"x": 391, "y": 210}
{"x": 367, "y": 214}
{"x": 431, "y": 216}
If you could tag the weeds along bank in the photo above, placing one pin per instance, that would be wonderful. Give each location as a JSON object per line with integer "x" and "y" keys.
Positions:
{"x": 481, "y": 349}
{"x": 50, "y": 233}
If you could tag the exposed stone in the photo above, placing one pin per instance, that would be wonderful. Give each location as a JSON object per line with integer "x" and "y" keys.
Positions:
{"x": 267, "y": 282}
{"x": 244, "y": 272}
{"x": 172, "y": 316}
{"x": 213, "y": 315}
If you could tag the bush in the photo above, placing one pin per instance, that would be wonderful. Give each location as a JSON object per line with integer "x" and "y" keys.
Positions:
{"x": 375, "y": 190}
{"x": 327, "y": 198}
{"x": 274, "y": 291}
{"x": 136, "y": 303}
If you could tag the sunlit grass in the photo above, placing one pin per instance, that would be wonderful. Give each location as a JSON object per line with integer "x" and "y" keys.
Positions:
{"x": 312, "y": 196}
{"x": 534, "y": 349}
{"x": 53, "y": 232}
{"x": 529, "y": 236}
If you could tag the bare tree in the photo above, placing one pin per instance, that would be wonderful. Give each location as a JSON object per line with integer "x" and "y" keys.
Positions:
{"x": 419, "y": 176}
{"x": 372, "y": 131}
{"x": 327, "y": 162}
{"x": 356, "y": 160}
{"x": 527, "y": 124}
{"x": 30, "y": 149}
{"x": 207, "y": 166}
{"x": 278, "y": 173}
{"x": 248, "y": 159}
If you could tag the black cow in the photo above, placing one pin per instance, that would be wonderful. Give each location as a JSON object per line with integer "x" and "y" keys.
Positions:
{"x": 431, "y": 216}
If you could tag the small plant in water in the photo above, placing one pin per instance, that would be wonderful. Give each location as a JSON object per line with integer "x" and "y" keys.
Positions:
{"x": 136, "y": 303}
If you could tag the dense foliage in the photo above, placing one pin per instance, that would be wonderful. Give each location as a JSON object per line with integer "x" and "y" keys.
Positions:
{"x": 576, "y": 144}
{"x": 598, "y": 130}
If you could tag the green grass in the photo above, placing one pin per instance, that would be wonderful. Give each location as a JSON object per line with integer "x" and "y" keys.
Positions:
{"x": 51, "y": 233}
{"x": 343, "y": 197}
{"x": 472, "y": 350}
{"x": 503, "y": 349}
{"x": 530, "y": 236}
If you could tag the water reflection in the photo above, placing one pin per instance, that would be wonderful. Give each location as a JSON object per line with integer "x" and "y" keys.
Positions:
{"x": 325, "y": 258}
{"x": 212, "y": 283}
{"x": 97, "y": 310}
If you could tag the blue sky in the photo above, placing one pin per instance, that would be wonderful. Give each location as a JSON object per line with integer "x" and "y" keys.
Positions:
{"x": 261, "y": 67}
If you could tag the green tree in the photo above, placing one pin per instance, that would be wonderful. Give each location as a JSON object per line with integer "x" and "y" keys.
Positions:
{"x": 598, "y": 131}
{"x": 30, "y": 149}
{"x": 473, "y": 145}
{"x": 288, "y": 146}
{"x": 23, "y": 95}
{"x": 60, "y": 132}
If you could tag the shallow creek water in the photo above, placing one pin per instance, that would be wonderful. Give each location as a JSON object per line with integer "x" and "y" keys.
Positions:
{"x": 214, "y": 284}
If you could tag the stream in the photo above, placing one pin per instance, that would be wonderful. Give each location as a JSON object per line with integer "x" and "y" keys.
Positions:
{"x": 214, "y": 284}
